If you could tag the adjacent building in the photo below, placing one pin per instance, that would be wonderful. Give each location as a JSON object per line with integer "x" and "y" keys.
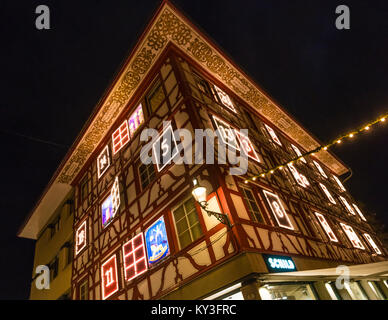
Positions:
{"x": 136, "y": 230}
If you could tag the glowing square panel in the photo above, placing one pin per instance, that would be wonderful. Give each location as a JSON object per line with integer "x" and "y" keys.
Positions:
{"x": 225, "y": 99}
{"x": 103, "y": 161}
{"x": 120, "y": 137}
{"x": 299, "y": 178}
{"x": 115, "y": 196}
{"x": 347, "y": 205}
{"x": 80, "y": 238}
{"x": 136, "y": 120}
{"x": 372, "y": 243}
{"x": 278, "y": 210}
{"x": 326, "y": 227}
{"x": 135, "y": 259}
{"x": 109, "y": 283}
{"x": 298, "y": 153}
{"x": 327, "y": 193}
{"x": 317, "y": 165}
{"x": 352, "y": 236}
{"x": 165, "y": 148}
{"x": 273, "y": 135}
{"x": 157, "y": 242}
{"x": 226, "y": 132}
{"x": 359, "y": 212}
{"x": 107, "y": 213}
{"x": 247, "y": 146}
{"x": 339, "y": 183}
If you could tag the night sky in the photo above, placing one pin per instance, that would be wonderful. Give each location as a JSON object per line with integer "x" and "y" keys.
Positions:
{"x": 331, "y": 81}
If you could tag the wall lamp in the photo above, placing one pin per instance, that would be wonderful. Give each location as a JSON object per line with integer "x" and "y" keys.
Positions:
{"x": 199, "y": 193}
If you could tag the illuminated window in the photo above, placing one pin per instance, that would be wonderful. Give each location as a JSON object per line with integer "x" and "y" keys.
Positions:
{"x": 115, "y": 194}
{"x": 80, "y": 238}
{"x": 317, "y": 165}
{"x": 103, "y": 161}
{"x": 247, "y": 146}
{"x": 273, "y": 135}
{"x": 120, "y": 137}
{"x": 352, "y": 236}
{"x": 226, "y": 132}
{"x": 84, "y": 290}
{"x": 165, "y": 148}
{"x": 359, "y": 212}
{"x": 327, "y": 193}
{"x": 147, "y": 174}
{"x": 155, "y": 97}
{"x": 136, "y": 120}
{"x": 110, "y": 284}
{"x": 224, "y": 99}
{"x": 134, "y": 256}
{"x": 107, "y": 211}
{"x": 278, "y": 210}
{"x": 372, "y": 243}
{"x": 253, "y": 208}
{"x": 339, "y": 183}
{"x": 202, "y": 84}
{"x": 347, "y": 205}
{"x": 187, "y": 223}
{"x": 156, "y": 242}
{"x": 298, "y": 153}
{"x": 326, "y": 227}
{"x": 299, "y": 178}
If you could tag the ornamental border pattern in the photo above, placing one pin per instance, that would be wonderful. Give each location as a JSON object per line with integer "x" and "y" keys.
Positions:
{"x": 169, "y": 27}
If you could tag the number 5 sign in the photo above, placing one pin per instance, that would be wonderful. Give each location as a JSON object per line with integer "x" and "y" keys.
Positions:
{"x": 165, "y": 148}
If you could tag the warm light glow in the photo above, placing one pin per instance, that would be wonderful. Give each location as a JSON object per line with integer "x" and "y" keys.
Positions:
{"x": 263, "y": 175}
{"x": 136, "y": 120}
{"x": 227, "y": 133}
{"x": 372, "y": 243}
{"x": 326, "y": 227}
{"x": 327, "y": 193}
{"x": 339, "y": 141}
{"x": 339, "y": 183}
{"x": 247, "y": 146}
{"x": 382, "y": 119}
{"x": 347, "y": 205}
{"x": 367, "y": 128}
{"x": 325, "y": 148}
{"x": 254, "y": 178}
{"x": 317, "y": 165}
{"x": 199, "y": 194}
{"x": 352, "y": 236}
{"x": 298, "y": 153}
{"x": 351, "y": 135}
{"x": 278, "y": 210}
{"x": 273, "y": 135}
{"x": 246, "y": 181}
{"x": 115, "y": 194}
{"x": 225, "y": 99}
{"x": 299, "y": 178}
{"x": 271, "y": 171}
{"x": 359, "y": 212}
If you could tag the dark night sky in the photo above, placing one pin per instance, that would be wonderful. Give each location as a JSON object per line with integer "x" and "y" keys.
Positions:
{"x": 330, "y": 80}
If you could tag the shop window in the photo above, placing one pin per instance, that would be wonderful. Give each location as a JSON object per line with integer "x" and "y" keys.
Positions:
{"x": 187, "y": 223}
{"x": 355, "y": 290}
{"x": 332, "y": 292}
{"x": 377, "y": 290}
{"x": 287, "y": 292}
{"x": 147, "y": 174}
{"x": 155, "y": 97}
{"x": 252, "y": 205}
{"x": 84, "y": 290}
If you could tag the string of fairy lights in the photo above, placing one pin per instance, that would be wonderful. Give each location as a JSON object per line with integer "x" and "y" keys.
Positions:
{"x": 346, "y": 137}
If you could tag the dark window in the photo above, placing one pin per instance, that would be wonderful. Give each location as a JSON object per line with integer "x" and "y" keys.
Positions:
{"x": 147, "y": 174}
{"x": 187, "y": 223}
{"x": 84, "y": 188}
{"x": 202, "y": 85}
{"x": 54, "y": 268}
{"x": 54, "y": 227}
{"x": 155, "y": 97}
{"x": 84, "y": 290}
{"x": 251, "y": 203}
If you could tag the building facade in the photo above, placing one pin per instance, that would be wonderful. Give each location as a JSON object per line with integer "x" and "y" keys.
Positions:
{"x": 139, "y": 233}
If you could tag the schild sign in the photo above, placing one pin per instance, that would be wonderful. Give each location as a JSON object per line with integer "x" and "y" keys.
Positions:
{"x": 279, "y": 263}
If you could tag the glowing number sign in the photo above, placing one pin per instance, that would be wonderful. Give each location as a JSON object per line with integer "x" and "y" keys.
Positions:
{"x": 273, "y": 135}
{"x": 326, "y": 227}
{"x": 107, "y": 211}
{"x": 134, "y": 255}
{"x": 352, "y": 236}
{"x": 103, "y": 162}
{"x": 110, "y": 283}
{"x": 157, "y": 242}
{"x": 299, "y": 178}
{"x": 136, "y": 119}
{"x": 327, "y": 193}
{"x": 246, "y": 146}
{"x": 279, "y": 263}
{"x": 372, "y": 243}
{"x": 120, "y": 137}
{"x": 278, "y": 210}
{"x": 225, "y": 99}
{"x": 359, "y": 212}
{"x": 298, "y": 153}
{"x": 339, "y": 183}
{"x": 165, "y": 148}
{"x": 80, "y": 238}
{"x": 317, "y": 165}
{"x": 347, "y": 205}
{"x": 115, "y": 195}
{"x": 227, "y": 133}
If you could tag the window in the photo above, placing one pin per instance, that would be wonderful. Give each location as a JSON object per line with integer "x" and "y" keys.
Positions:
{"x": 187, "y": 223}
{"x": 147, "y": 174}
{"x": 103, "y": 161}
{"x": 247, "y": 146}
{"x": 54, "y": 268}
{"x": 202, "y": 85}
{"x": 347, "y": 205}
{"x": 326, "y": 227}
{"x": 273, "y": 135}
{"x": 136, "y": 120}
{"x": 298, "y": 153}
{"x": 339, "y": 183}
{"x": 227, "y": 133}
{"x": 299, "y": 178}
{"x": 69, "y": 253}
{"x": 54, "y": 227}
{"x": 80, "y": 238}
{"x": 155, "y": 97}
{"x": 253, "y": 208}
{"x": 84, "y": 188}
{"x": 134, "y": 256}
{"x": 352, "y": 236}
{"x": 372, "y": 243}
{"x": 224, "y": 98}
{"x": 317, "y": 165}
{"x": 84, "y": 290}
{"x": 109, "y": 277}
{"x": 359, "y": 212}
{"x": 278, "y": 210}
{"x": 327, "y": 193}
{"x": 120, "y": 137}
